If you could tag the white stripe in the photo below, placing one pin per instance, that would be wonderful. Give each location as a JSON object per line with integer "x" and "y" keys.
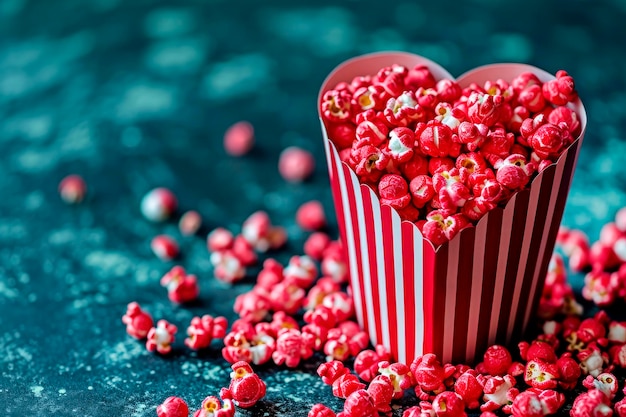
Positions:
{"x": 354, "y": 279}
{"x": 380, "y": 264}
{"x": 450, "y": 306}
{"x": 419, "y": 293}
{"x": 365, "y": 261}
{"x": 399, "y": 281}
{"x": 505, "y": 240}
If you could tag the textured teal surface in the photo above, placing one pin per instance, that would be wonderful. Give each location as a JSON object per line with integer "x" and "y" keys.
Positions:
{"x": 136, "y": 94}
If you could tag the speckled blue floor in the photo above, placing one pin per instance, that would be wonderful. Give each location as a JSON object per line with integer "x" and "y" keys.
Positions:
{"x": 136, "y": 94}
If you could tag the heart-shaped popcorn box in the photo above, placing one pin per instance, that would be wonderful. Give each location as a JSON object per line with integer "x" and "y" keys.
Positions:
{"x": 481, "y": 287}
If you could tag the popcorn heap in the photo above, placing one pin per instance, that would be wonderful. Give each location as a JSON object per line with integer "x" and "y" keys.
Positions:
{"x": 444, "y": 156}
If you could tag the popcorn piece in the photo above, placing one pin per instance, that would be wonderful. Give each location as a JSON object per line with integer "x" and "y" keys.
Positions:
{"x": 394, "y": 191}
{"x": 158, "y": 205}
{"x": 72, "y": 189}
{"x": 181, "y": 288}
{"x": 161, "y": 337}
{"x": 246, "y": 388}
{"x": 220, "y": 239}
{"x": 435, "y": 138}
{"x": 311, "y": 216}
{"x": 164, "y": 247}
{"x": 203, "y": 330}
{"x": 336, "y": 105}
{"x": 401, "y": 144}
{"x": 291, "y": 347}
{"x": 173, "y": 407}
{"x": 561, "y": 90}
{"x": 239, "y": 139}
{"x": 213, "y": 407}
{"x": 227, "y": 267}
{"x": 295, "y": 164}
{"x": 316, "y": 244}
{"x": 138, "y": 322}
{"x": 190, "y": 223}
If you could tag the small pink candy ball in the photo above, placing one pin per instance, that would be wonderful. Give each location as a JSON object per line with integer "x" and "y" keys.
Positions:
{"x": 158, "y": 204}
{"x": 239, "y": 139}
{"x": 72, "y": 189}
{"x": 296, "y": 164}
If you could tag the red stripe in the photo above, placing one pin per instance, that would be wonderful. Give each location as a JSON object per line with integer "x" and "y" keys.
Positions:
{"x": 408, "y": 265}
{"x": 388, "y": 242}
{"x": 512, "y": 262}
{"x": 492, "y": 247}
{"x": 430, "y": 257}
{"x": 370, "y": 231}
{"x": 463, "y": 294}
{"x": 540, "y": 198}
{"x": 358, "y": 274}
{"x": 480, "y": 235}
{"x": 336, "y": 191}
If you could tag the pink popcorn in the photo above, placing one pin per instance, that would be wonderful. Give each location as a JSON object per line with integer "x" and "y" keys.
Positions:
{"x": 605, "y": 382}
{"x": 173, "y": 407}
{"x": 403, "y": 110}
{"x": 239, "y": 139}
{"x": 591, "y": 404}
{"x": 420, "y": 77}
{"x": 569, "y": 371}
{"x": 161, "y": 337}
{"x": 256, "y": 229}
{"x": 164, "y": 247}
{"x": 451, "y": 188}
{"x": 448, "y": 90}
{"x": 292, "y": 346}
{"x": 438, "y": 164}
{"x": 366, "y": 362}
{"x": 500, "y": 392}
{"x": 401, "y": 144}
{"x": 371, "y": 129}
{"x": 472, "y": 162}
{"x": 181, "y": 288}
{"x": 72, "y": 189}
{"x": 532, "y": 98}
{"x": 427, "y": 98}
{"x": 332, "y": 371}
{"x": 561, "y": 90}
{"x": 203, "y": 330}
{"x": 246, "y": 343}
{"x": 246, "y": 388}
{"x": 537, "y": 403}
{"x": 514, "y": 172}
{"x": 369, "y": 97}
{"x": 449, "y": 404}
{"x": 598, "y": 288}
{"x": 323, "y": 287}
{"x": 549, "y": 140}
{"x": 381, "y": 392}
{"x": 370, "y": 162}
{"x": 190, "y": 223}
{"x": 394, "y": 191}
{"x": 300, "y": 271}
{"x": 497, "y": 361}
{"x": 295, "y": 164}
{"x": 270, "y": 275}
{"x": 213, "y": 407}
{"x": 469, "y": 389}
{"x": 320, "y": 410}
{"x": 523, "y": 81}
{"x": 430, "y": 376}
{"x": 316, "y": 244}
{"x": 336, "y": 105}
{"x": 592, "y": 360}
{"x": 320, "y": 316}
{"x": 311, "y": 216}
{"x": 564, "y": 116}
{"x": 341, "y": 304}
{"x": 244, "y": 251}
{"x": 440, "y": 228}
{"x": 359, "y": 403}
{"x": 342, "y": 134}
{"x": 519, "y": 114}
{"x": 399, "y": 376}
{"x": 253, "y": 306}
{"x": 392, "y": 79}
{"x": 434, "y": 138}
{"x": 227, "y": 267}
{"x": 422, "y": 190}
{"x": 287, "y": 296}
{"x": 417, "y": 165}
{"x": 542, "y": 375}
{"x": 138, "y": 322}
{"x": 484, "y": 108}
{"x": 449, "y": 116}
{"x": 220, "y": 239}
{"x": 472, "y": 135}
{"x": 158, "y": 205}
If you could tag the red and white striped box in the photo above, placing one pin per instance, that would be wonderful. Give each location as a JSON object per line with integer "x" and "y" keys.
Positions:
{"x": 480, "y": 288}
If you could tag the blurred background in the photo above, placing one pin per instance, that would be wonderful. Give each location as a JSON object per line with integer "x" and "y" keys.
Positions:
{"x": 135, "y": 94}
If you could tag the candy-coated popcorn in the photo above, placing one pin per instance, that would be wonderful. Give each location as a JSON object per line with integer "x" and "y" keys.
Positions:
{"x": 420, "y": 77}
{"x": 537, "y": 350}
{"x": 345, "y": 385}
{"x": 369, "y": 97}
{"x": 531, "y": 404}
{"x": 366, "y": 362}
{"x": 161, "y": 337}
{"x": 569, "y": 371}
{"x": 158, "y": 204}
{"x": 439, "y": 164}
{"x": 401, "y": 144}
{"x": 448, "y": 90}
{"x": 422, "y": 190}
{"x": 449, "y": 404}
{"x": 316, "y": 244}
{"x": 392, "y": 79}
{"x": 469, "y": 389}
{"x": 399, "y": 375}
{"x": 471, "y": 162}
{"x": 542, "y": 375}
{"x": 417, "y": 165}
{"x": 341, "y": 304}
{"x": 72, "y": 189}
{"x": 523, "y": 81}
{"x": 394, "y": 191}
{"x": 562, "y": 114}
{"x": 317, "y": 292}
{"x": 381, "y": 391}
{"x": 164, "y": 247}
{"x": 270, "y": 275}
{"x": 320, "y": 410}
{"x": 331, "y": 371}
{"x": 181, "y": 287}
{"x": 320, "y": 316}
{"x": 173, "y": 407}
{"x": 138, "y": 322}
{"x": 403, "y": 110}
{"x": 227, "y": 266}
{"x": 370, "y": 162}
{"x": 249, "y": 345}
{"x": 519, "y": 114}
{"x": 449, "y": 115}
{"x": 239, "y": 139}
{"x": 291, "y": 347}
{"x": 359, "y": 403}
{"x": 219, "y": 239}
{"x": 484, "y": 108}
{"x": 430, "y": 376}
{"x": 287, "y": 296}
{"x": 549, "y": 140}
{"x": 472, "y": 135}
{"x": 605, "y": 382}
{"x": 427, "y": 98}
{"x": 189, "y": 223}
{"x": 592, "y": 360}
{"x": 498, "y": 142}
{"x": 440, "y": 227}
{"x": 213, "y": 407}
{"x": 561, "y": 90}
{"x": 246, "y": 388}
{"x": 253, "y": 306}
{"x": 592, "y": 403}
{"x": 244, "y": 251}
{"x": 203, "y": 330}
{"x": 532, "y": 98}
{"x": 451, "y": 188}
{"x": 500, "y": 392}
{"x": 514, "y": 172}
{"x": 300, "y": 271}
{"x": 434, "y": 138}
{"x": 497, "y": 361}
{"x": 334, "y": 264}
{"x": 311, "y": 216}
{"x": 371, "y": 129}
{"x": 336, "y": 105}
{"x": 296, "y": 165}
